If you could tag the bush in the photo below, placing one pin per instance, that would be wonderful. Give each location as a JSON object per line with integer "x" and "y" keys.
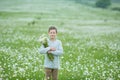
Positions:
{"x": 116, "y": 8}
{"x": 103, "y": 3}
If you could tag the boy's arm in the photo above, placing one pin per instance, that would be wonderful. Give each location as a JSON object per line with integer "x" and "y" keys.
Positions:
{"x": 59, "y": 51}
{"x": 44, "y": 50}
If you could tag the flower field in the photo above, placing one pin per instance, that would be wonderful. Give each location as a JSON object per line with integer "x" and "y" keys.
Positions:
{"x": 90, "y": 38}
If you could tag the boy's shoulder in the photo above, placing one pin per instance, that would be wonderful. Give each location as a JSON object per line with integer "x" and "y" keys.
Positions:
{"x": 57, "y": 40}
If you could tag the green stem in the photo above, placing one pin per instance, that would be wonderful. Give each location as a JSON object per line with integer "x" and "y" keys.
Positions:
{"x": 50, "y": 56}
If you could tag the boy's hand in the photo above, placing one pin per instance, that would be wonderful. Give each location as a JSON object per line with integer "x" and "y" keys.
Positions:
{"x": 52, "y": 49}
{"x": 49, "y": 52}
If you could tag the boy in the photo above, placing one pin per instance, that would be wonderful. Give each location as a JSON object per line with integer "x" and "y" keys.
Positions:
{"x": 55, "y": 48}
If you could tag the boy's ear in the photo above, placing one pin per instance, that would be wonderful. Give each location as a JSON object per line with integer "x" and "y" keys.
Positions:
{"x": 48, "y": 33}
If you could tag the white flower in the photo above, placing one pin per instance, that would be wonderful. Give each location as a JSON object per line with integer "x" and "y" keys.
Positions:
{"x": 21, "y": 70}
{"x": 43, "y": 39}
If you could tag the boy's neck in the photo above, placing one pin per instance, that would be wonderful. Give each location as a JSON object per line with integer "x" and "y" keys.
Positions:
{"x": 52, "y": 39}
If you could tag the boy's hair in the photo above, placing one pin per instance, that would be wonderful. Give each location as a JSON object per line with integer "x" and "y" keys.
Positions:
{"x": 51, "y": 28}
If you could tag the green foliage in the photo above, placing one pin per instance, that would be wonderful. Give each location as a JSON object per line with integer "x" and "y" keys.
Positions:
{"x": 103, "y": 3}
{"x": 116, "y": 8}
{"x": 90, "y": 39}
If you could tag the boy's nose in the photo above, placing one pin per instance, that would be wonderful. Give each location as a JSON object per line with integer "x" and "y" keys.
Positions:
{"x": 52, "y": 34}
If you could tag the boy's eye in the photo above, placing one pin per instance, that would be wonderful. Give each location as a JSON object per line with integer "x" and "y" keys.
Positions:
{"x": 52, "y": 32}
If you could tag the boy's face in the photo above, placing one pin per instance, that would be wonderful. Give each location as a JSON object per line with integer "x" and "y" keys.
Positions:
{"x": 52, "y": 33}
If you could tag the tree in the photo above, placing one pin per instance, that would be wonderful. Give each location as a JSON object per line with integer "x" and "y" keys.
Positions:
{"x": 103, "y": 3}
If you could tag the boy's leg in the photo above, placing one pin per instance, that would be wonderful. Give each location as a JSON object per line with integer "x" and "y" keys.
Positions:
{"x": 48, "y": 73}
{"x": 55, "y": 74}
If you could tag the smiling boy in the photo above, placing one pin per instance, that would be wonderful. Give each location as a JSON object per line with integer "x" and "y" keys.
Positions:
{"x": 55, "y": 48}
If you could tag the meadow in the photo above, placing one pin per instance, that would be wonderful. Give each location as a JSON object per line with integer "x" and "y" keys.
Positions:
{"x": 90, "y": 38}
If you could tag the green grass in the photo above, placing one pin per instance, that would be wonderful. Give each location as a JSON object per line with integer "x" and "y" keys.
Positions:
{"x": 90, "y": 37}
